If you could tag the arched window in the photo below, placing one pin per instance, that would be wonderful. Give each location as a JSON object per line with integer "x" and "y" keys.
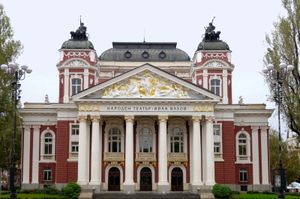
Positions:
{"x": 76, "y": 85}
{"x": 145, "y": 140}
{"x": 243, "y": 146}
{"x": 177, "y": 141}
{"x": 48, "y": 144}
{"x": 114, "y": 140}
{"x": 215, "y": 86}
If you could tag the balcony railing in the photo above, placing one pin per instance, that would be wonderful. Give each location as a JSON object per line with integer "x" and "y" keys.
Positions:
{"x": 177, "y": 157}
{"x": 113, "y": 156}
{"x": 145, "y": 157}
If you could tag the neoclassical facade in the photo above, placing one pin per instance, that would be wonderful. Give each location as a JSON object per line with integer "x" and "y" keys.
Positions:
{"x": 144, "y": 116}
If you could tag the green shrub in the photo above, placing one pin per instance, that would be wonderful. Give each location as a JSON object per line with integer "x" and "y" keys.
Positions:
{"x": 72, "y": 190}
{"x": 221, "y": 191}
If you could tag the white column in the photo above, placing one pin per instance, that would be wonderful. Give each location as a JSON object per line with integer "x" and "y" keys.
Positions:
{"x": 210, "y": 159}
{"x": 129, "y": 185}
{"x": 264, "y": 156}
{"x": 225, "y": 86}
{"x": 191, "y": 151}
{"x": 66, "y": 85}
{"x": 26, "y": 154}
{"x": 82, "y": 155}
{"x": 96, "y": 163}
{"x": 255, "y": 155}
{"x": 35, "y": 155}
{"x": 205, "y": 79}
{"x": 197, "y": 168}
{"x": 86, "y": 78}
{"x": 163, "y": 184}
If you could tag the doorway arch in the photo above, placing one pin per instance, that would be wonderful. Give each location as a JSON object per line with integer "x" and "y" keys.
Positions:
{"x": 176, "y": 179}
{"x": 145, "y": 179}
{"x": 114, "y": 179}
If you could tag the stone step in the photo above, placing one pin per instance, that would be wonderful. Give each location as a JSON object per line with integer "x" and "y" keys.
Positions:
{"x": 149, "y": 195}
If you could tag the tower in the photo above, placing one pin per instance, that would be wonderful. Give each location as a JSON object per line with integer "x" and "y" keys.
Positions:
{"x": 77, "y": 65}
{"x": 212, "y": 67}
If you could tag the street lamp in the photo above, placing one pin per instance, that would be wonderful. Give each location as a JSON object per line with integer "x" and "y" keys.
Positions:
{"x": 278, "y": 75}
{"x": 17, "y": 73}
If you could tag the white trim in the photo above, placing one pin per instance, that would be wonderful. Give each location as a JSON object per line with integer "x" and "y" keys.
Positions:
{"x": 108, "y": 167}
{"x": 73, "y": 138}
{"x": 52, "y": 158}
{"x": 219, "y": 139}
{"x": 66, "y": 85}
{"x": 140, "y": 167}
{"x": 225, "y": 86}
{"x": 243, "y": 159}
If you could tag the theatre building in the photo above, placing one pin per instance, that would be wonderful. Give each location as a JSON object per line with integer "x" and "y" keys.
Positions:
{"x": 144, "y": 116}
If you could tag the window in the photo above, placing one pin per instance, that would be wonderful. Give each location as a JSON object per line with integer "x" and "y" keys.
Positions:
{"x": 217, "y": 147}
{"x": 242, "y": 144}
{"x": 215, "y": 86}
{"x": 74, "y": 147}
{"x": 177, "y": 140}
{"x": 114, "y": 140}
{"x": 47, "y": 175}
{"x": 75, "y": 129}
{"x": 243, "y": 175}
{"x": 145, "y": 140}
{"x": 48, "y": 144}
{"x": 217, "y": 129}
{"x": 76, "y": 86}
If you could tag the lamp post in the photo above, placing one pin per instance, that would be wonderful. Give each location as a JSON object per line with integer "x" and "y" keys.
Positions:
{"x": 17, "y": 73}
{"x": 278, "y": 74}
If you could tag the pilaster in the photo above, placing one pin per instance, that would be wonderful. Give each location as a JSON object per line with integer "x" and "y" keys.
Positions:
{"x": 264, "y": 155}
{"x": 255, "y": 155}
{"x": 26, "y": 154}
{"x": 35, "y": 155}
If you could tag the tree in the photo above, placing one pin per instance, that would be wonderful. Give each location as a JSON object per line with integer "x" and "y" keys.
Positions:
{"x": 10, "y": 49}
{"x": 283, "y": 47}
{"x": 290, "y": 157}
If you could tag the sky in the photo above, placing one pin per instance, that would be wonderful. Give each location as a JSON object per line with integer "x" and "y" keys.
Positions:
{"x": 42, "y": 27}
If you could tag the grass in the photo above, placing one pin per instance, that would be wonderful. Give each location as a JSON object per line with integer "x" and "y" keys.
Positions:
{"x": 32, "y": 196}
{"x": 261, "y": 196}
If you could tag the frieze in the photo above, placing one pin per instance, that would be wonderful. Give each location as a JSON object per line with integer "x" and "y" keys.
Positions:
{"x": 214, "y": 56}
{"x": 203, "y": 108}
{"x": 89, "y": 107}
{"x": 76, "y": 54}
{"x": 75, "y": 63}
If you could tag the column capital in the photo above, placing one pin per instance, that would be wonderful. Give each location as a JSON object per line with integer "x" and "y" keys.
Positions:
{"x": 82, "y": 118}
{"x": 264, "y": 128}
{"x": 209, "y": 118}
{"x": 95, "y": 118}
{"x": 196, "y": 118}
{"x": 129, "y": 118}
{"x": 255, "y": 128}
{"x": 162, "y": 118}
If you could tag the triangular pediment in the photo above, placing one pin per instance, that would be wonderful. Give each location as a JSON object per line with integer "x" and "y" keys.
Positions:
{"x": 146, "y": 82}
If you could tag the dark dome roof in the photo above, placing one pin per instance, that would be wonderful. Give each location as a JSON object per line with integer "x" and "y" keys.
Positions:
{"x": 77, "y": 44}
{"x": 213, "y": 45}
{"x": 144, "y": 51}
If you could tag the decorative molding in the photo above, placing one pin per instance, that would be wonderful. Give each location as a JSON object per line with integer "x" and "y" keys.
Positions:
{"x": 75, "y": 63}
{"x": 214, "y": 56}
{"x": 162, "y": 118}
{"x": 203, "y": 108}
{"x": 89, "y": 107}
{"x": 77, "y": 54}
{"x": 215, "y": 64}
{"x": 129, "y": 118}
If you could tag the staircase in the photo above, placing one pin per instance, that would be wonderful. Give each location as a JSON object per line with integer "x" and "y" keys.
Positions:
{"x": 146, "y": 195}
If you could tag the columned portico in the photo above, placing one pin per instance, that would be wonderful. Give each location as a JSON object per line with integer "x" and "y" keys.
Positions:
{"x": 83, "y": 158}
{"x": 163, "y": 184}
{"x": 196, "y": 154}
{"x": 96, "y": 150}
{"x": 129, "y": 185}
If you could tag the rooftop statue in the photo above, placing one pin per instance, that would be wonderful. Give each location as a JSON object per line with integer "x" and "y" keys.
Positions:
{"x": 80, "y": 33}
{"x": 210, "y": 34}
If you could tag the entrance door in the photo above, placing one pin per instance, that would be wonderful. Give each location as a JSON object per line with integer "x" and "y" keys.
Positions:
{"x": 146, "y": 179}
{"x": 177, "y": 179}
{"x": 114, "y": 179}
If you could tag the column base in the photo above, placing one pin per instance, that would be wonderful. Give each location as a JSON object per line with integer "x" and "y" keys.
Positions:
{"x": 163, "y": 187}
{"x": 129, "y": 188}
{"x": 96, "y": 186}
{"x": 27, "y": 186}
{"x": 82, "y": 183}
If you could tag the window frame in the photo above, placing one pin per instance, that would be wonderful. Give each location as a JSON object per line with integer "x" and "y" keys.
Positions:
{"x": 75, "y": 85}
{"x": 47, "y": 156}
{"x": 214, "y": 87}
{"x": 46, "y": 175}
{"x": 179, "y": 141}
{"x": 243, "y": 158}
{"x": 111, "y": 141}
{"x": 150, "y": 135}
{"x": 243, "y": 175}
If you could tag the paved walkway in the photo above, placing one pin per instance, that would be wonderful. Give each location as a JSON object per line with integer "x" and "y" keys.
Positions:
{"x": 146, "y": 195}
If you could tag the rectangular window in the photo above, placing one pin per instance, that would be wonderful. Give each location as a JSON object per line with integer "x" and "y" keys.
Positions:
{"x": 74, "y": 147}
{"x": 217, "y": 147}
{"x": 76, "y": 86}
{"x": 243, "y": 175}
{"x": 48, "y": 149}
{"x": 47, "y": 175}
{"x": 217, "y": 130}
{"x": 75, "y": 129}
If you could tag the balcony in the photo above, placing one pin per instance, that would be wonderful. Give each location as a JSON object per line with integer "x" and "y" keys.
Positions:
{"x": 145, "y": 157}
{"x": 113, "y": 157}
{"x": 177, "y": 157}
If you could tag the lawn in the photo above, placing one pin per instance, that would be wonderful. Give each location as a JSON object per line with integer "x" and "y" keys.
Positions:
{"x": 32, "y": 196}
{"x": 261, "y": 196}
